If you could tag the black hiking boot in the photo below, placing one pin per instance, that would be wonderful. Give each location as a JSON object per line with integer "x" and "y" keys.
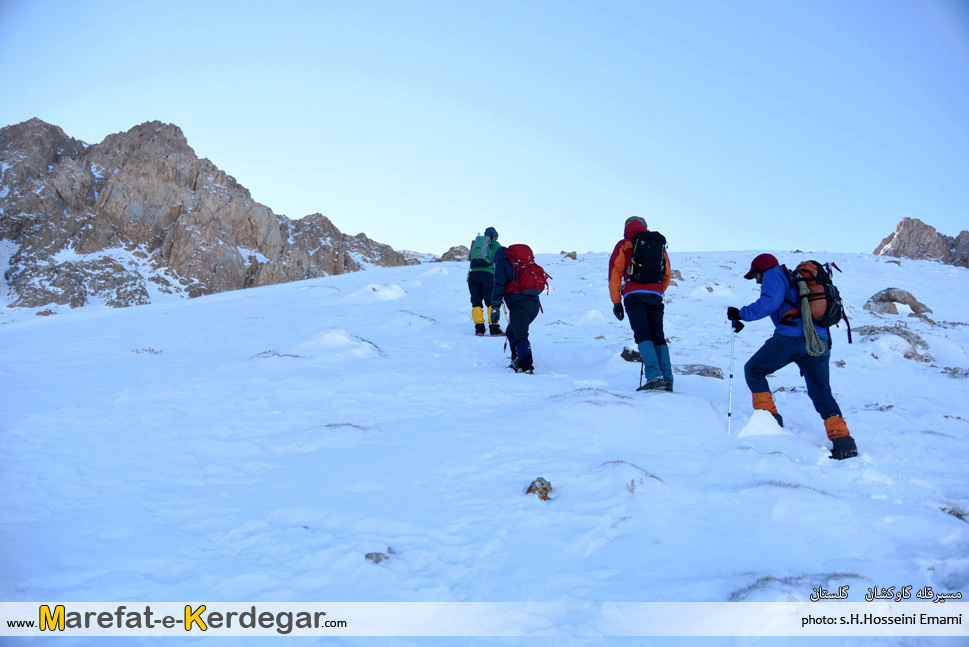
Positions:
{"x": 525, "y": 366}
{"x": 669, "y": 387}
{"x": 656, "y": 384}
{"x": 844, "y": 447}
{"x": 495, "y": 330}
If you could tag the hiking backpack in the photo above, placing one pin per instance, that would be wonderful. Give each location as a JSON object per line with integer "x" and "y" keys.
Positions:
{"x": 530, "y": 277}
{"x": 648, "y": 262}
{"x": 481, "y": 253}
{"x": 826, "y": 307}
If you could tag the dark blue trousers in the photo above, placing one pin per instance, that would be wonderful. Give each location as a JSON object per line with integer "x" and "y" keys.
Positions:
{"x": 521, "y": 314}
{"x": 779, "y": 351}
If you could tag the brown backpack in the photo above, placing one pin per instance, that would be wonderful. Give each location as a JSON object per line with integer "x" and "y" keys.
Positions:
{"x": 826, "y": 307}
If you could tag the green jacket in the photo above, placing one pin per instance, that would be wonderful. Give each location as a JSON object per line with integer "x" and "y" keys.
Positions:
{"x": 486, "y": 268}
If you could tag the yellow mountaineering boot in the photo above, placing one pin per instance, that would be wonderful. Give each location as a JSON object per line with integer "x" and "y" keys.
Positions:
{"x": 477, "y": 314}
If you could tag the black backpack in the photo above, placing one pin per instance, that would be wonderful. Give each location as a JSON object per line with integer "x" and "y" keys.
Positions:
{"x": 648, "y": 264}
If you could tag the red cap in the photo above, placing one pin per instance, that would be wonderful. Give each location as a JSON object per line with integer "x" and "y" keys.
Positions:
{"x": 762, "y": 263}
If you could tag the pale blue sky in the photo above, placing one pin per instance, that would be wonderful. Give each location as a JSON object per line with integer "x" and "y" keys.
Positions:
{"x": 755, "y": 124}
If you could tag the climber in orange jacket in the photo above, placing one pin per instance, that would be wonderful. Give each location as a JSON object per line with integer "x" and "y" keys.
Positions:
{"x": 639, "y": 274}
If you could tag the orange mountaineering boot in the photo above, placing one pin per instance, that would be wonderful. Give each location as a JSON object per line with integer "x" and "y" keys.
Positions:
{"x": 764, "y": 401}
{"x": 844, "y": 444}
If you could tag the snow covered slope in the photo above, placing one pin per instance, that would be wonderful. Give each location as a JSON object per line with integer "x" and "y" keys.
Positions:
{"x": 257, "y": 445}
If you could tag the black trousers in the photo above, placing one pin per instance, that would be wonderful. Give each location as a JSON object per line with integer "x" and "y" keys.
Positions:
{"x": 480, "y": 284}
{"x": 645, "y": 312}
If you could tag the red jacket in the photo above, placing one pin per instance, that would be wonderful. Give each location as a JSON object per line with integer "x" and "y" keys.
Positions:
{"x": 619, "y": 284}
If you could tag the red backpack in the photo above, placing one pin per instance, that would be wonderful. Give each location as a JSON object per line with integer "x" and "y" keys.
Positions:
{"x": 530, "y": 278}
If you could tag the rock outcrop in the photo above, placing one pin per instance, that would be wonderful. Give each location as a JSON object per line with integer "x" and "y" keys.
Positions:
{"x": 914, "y": 340}
{"x": 456, "y": 253}
{"x": 917, "y": 240}
{"x": 540, "y": 488}
{"x": 884, "y": 302}
{"x": 140, "y": 214}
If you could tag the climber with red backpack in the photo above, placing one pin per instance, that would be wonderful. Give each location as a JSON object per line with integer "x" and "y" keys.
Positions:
{"x": 639, "y": 273}
{"x": 519, "y": 281}
{"x": 803, "y": 305}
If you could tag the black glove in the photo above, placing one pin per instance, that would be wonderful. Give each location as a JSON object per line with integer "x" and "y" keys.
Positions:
{"x": 737, "y": 326}
{"x": 733, "y": 314}
{"x": 618, "y": 311}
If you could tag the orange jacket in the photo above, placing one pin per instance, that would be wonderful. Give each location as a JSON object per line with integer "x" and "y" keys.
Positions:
{"x": 619, "y": 283}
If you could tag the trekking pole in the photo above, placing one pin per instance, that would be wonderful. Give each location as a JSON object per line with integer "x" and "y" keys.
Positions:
{"x": 730, "y": 387}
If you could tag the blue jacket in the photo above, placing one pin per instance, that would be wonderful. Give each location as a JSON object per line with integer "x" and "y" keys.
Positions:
{"x": 505, "y": 274}
{"x": 777, "y": 296}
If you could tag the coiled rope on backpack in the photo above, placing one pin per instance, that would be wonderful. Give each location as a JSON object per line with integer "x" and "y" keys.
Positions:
{"x": 815, "y": 347}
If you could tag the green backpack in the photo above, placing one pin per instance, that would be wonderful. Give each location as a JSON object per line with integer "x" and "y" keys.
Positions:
{"x": 481, "y": 253}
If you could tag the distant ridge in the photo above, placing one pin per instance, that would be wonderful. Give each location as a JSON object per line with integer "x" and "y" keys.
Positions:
{"x": 139, "y": 216}
{"x": 915, "y": 239}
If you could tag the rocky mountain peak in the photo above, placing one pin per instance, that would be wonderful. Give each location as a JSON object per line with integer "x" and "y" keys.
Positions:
{"x": 915, "y": 239}
{"x": 140, "y": 214}
{"x": 35, "y": 133}
{"x": 29, "y": 150}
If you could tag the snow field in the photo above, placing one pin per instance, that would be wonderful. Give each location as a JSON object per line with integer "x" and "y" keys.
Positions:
{"x": 257, "y": 445}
